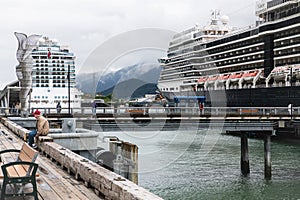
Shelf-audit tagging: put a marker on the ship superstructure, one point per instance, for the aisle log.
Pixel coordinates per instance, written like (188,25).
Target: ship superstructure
(53,75)
(217,57)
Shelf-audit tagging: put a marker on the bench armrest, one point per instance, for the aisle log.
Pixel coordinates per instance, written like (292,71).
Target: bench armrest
(31,169)
(10,150)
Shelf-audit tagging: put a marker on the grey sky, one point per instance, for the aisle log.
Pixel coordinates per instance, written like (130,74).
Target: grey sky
(83,25)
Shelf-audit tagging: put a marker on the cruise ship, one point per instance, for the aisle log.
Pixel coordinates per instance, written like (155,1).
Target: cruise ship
(53,74)
(254,66)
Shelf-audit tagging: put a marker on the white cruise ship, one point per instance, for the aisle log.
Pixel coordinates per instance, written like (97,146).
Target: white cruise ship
(53,74)
(252,66)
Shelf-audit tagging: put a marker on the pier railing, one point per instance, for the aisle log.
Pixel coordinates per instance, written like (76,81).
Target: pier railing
(216,111)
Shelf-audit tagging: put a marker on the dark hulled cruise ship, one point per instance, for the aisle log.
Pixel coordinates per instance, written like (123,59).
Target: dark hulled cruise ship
(255,66)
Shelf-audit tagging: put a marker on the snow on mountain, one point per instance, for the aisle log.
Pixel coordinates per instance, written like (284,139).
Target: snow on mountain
(148,73)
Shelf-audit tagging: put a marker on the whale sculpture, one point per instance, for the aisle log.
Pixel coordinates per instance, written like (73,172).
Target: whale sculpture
(24,69)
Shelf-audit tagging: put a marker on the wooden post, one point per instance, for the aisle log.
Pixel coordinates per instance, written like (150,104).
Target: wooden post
(245,169)
(267,145)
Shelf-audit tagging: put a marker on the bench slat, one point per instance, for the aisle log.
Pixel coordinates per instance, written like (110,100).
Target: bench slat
(30,152)
(27,154)
(12,172)
(21,170)
(24,157)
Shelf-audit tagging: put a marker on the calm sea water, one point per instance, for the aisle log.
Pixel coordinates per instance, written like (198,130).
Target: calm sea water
(206,165)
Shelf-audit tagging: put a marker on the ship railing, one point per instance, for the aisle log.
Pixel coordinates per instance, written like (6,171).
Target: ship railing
(160,110)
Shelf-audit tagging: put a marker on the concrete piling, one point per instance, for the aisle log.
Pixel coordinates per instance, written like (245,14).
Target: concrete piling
(267,152)
(245,168)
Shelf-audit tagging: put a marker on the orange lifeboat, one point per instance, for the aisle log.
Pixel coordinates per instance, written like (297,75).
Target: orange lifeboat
(232,76)
(202,79)
(254,73)
(239,75)
(236,76)
(212,78)
(250,74)
(223,77)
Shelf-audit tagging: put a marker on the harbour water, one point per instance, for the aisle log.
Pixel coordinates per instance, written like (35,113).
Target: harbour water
(201,164)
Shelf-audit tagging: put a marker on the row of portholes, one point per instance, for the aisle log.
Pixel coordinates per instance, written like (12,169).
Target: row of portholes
(46,61)
(53,73)
(42,85)
(59,81)
(46,65)
(47,85)
(46,97)
(47,77)
(47,73)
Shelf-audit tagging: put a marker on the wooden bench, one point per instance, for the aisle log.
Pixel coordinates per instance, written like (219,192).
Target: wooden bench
(19,172)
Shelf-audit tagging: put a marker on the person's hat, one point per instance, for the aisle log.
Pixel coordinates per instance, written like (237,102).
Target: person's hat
(37,112)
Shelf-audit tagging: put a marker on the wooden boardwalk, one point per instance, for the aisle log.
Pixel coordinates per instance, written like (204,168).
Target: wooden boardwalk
(53,182)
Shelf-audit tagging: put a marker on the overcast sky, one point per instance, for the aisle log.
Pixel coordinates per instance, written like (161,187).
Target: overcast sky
(84,25)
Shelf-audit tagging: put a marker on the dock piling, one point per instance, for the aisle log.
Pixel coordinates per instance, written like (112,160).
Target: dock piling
(245,169)
(267,152)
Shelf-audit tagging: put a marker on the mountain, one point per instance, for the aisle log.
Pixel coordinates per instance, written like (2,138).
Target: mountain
(129,89)
(147,73)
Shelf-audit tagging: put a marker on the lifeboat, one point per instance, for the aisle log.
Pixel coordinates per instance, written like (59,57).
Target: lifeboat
(202,79)
(239,75)
(236,76)
(212,78)
(296,71)
(232,76)
(224,77)
(279,73)
(250,75)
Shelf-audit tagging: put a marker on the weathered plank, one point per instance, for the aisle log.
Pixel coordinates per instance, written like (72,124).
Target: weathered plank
(76,187)
(54,182)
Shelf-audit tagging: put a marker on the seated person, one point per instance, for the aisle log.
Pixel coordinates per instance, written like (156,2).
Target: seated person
(42,128)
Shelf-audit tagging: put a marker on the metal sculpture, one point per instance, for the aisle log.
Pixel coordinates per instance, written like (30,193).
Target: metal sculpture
(24,69)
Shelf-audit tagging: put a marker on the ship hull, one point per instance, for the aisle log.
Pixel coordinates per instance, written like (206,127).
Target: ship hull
(252,97)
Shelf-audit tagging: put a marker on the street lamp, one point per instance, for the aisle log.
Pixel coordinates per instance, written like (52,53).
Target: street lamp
(291,76)
(69,91)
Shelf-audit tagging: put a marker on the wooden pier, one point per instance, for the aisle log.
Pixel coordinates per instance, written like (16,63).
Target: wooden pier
(64,174)
(53,182)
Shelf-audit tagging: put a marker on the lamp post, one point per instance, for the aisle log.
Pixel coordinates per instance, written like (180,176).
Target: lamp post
(291,84)
(291,76)
(69,91)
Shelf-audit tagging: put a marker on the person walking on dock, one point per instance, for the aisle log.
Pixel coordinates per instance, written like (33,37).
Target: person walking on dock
(94,108)
(58,107)
(42,128)
(201,107)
